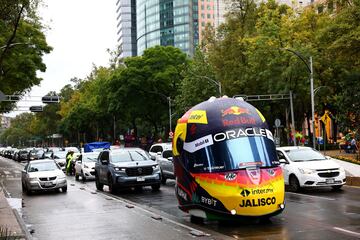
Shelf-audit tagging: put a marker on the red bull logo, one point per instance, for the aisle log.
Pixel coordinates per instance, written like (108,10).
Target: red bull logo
(234,110)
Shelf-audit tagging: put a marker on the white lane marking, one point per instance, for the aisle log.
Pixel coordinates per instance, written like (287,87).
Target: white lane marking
(347,231)
(305,195)
(120,199)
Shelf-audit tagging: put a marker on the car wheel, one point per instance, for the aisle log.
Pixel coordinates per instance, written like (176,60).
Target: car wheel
(163,178)
(155,187)
(76,176)
(195,219)
(294,184)
(83,178)
(99,186)
(111,184)
(64,189)
(337,187)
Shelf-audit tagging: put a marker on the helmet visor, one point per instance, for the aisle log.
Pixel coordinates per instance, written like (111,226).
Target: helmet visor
(232,154)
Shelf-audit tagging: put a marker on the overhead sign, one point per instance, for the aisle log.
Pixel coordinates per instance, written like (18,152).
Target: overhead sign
(50,99)
(36,108)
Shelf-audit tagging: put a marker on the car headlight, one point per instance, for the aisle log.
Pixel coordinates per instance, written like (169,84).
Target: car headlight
(33,179)
(119,169)
(156,167)
(342,169)
(86,166)
(61,177)
(306,171)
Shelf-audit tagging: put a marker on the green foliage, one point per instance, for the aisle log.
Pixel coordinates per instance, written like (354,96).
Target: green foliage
(22,46)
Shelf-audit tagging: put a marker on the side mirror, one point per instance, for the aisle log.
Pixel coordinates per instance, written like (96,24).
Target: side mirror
(152,157)
(328,157)
(170,159)
(283,161)
(158,153)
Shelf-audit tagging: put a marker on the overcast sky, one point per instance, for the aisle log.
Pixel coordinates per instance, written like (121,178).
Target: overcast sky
(80,32)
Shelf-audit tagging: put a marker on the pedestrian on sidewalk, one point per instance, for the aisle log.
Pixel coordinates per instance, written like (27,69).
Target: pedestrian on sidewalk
(353,145)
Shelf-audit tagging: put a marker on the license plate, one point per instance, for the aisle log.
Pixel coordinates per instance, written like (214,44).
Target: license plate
(48,184)
(140,179)
(330,181)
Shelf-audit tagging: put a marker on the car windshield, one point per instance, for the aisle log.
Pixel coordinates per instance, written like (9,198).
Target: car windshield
(167,154)
(43,166)
(232,154)
(302,155)
(60,154)
(128,156)
(90,157)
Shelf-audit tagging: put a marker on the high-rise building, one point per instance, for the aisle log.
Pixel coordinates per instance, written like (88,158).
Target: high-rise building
(166,22)
(126,17)
(211,12)
(146,23)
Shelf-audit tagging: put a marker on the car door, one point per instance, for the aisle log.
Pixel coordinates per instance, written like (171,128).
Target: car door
(78,164)
(167,163)
(24,174)
(103,166)
(285,166)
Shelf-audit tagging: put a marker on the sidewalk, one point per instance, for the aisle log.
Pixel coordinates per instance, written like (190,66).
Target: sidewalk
(352,170)
(8,221)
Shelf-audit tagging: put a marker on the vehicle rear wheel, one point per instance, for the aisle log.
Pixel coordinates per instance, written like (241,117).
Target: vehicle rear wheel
(99,186)
(195,219)
(111,184)
(163,179)
(64,189)
(83,178)
(155,187)
(337,187)
(294,184)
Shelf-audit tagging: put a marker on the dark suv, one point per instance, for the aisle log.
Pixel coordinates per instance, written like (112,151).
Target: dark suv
(127,167)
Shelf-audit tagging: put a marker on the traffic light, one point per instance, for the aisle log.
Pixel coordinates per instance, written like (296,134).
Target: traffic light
(50,99)
(36,109)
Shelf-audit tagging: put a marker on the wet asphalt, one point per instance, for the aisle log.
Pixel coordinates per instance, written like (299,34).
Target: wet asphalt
(84,213)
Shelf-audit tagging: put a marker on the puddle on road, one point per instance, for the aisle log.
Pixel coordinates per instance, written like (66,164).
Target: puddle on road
(15,203)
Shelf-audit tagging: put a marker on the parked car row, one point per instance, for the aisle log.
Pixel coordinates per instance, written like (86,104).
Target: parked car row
(303,167)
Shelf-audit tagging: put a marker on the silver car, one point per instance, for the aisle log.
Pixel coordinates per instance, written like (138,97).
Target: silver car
(43,175)
(165,161)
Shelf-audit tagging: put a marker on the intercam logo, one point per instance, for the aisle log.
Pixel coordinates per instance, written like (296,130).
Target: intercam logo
(245,193)
(198,116)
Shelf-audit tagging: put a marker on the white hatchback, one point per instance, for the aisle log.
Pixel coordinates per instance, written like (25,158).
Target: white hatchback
(305,167)
(85,165)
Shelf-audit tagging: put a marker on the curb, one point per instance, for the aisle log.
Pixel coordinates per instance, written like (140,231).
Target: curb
(25,233)
(353,181)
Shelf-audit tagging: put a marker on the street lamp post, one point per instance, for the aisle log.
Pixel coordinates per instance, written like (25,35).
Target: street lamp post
(310,69)
(217,83)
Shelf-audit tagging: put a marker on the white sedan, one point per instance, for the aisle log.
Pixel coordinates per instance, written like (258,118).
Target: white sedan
(85,166)
(305,167)
(43,175)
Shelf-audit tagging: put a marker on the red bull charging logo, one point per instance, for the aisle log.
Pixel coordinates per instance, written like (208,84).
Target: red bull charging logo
(234,110)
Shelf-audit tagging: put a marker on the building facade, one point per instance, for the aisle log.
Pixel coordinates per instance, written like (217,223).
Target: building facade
(166,23)
(143,24)
(126,18)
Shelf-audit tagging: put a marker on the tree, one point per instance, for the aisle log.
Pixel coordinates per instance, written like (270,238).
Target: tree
(22,46)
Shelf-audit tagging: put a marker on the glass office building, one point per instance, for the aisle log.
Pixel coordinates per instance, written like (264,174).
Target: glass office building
(126,17)
(167,22)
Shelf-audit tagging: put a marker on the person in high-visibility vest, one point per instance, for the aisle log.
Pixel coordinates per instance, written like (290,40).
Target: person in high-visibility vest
(69,158)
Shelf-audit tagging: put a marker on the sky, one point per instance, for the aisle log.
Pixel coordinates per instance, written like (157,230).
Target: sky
(80,32)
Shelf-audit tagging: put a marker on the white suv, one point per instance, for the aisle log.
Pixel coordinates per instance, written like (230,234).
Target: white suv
(163,154)
(306,167)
